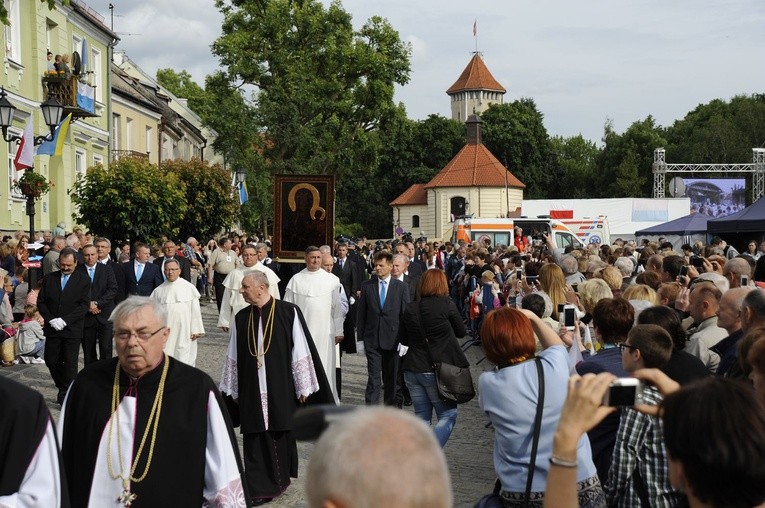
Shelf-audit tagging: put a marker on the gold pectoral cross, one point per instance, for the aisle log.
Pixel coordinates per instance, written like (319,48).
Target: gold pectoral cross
(126,498)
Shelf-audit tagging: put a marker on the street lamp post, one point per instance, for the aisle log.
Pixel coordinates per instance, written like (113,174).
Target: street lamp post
(52,111)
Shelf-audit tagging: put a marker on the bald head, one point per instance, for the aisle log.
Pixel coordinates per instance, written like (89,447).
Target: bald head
(327,262)
(361,441)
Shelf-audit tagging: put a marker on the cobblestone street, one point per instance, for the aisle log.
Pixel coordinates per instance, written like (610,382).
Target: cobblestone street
(469,450)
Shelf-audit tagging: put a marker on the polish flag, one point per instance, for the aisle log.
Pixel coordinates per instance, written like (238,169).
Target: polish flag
(25,154)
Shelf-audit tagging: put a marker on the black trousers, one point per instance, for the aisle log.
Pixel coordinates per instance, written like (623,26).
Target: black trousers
(218,279)
(61,356)
(382,363)
(97,342)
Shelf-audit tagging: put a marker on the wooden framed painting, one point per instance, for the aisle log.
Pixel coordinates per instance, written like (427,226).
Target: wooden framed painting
(304,214)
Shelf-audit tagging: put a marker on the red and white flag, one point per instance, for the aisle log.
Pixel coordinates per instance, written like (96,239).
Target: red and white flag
(25,154)
(475,28)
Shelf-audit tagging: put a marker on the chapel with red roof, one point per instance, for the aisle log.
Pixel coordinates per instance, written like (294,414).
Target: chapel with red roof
(474,181)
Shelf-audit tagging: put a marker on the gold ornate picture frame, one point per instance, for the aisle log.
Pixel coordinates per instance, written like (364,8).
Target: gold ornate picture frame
(304,214)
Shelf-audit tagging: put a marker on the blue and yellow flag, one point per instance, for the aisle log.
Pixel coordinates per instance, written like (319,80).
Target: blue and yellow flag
(55,146)
(243,196)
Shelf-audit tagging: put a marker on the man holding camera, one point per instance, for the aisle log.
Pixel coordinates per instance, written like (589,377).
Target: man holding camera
(639,475)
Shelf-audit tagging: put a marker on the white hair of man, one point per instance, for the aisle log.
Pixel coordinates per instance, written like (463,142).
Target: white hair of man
(625,266)
(258,278)
(569,264)
(392,448)
(72,240)
(135,303)
(738,266)
(325,249)
(401,257)
(715,278)
(191,241)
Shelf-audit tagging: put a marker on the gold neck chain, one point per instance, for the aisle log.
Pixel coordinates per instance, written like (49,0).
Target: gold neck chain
(252,334)
(151,426)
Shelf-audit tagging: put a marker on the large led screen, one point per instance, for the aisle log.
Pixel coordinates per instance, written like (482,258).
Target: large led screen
(715,197)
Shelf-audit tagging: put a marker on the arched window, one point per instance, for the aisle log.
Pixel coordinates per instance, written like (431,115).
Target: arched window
(415,221)
(457,206)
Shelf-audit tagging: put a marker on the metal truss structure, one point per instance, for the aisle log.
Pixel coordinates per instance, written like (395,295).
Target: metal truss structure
(756,167)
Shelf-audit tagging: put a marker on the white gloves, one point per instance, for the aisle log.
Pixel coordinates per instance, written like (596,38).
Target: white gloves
(351,300)
(402,349)
(58,324)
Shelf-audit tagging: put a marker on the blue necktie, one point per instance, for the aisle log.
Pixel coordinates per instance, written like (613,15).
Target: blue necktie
(138,271)
(91,271)
(64,280)
(382,294)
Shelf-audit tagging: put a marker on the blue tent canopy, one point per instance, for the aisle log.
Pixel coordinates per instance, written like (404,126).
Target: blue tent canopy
(690,224)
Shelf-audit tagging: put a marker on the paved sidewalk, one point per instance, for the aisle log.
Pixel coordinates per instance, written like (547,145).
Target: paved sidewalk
(469,450)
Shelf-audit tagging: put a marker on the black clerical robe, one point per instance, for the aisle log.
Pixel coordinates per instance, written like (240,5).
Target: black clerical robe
(268,397)
(30,472)
(193,423)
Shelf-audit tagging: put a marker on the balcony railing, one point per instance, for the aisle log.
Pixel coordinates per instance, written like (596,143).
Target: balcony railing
(76,97)
(120,154)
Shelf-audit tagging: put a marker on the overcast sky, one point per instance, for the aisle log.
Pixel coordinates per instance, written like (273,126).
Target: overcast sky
(582,62)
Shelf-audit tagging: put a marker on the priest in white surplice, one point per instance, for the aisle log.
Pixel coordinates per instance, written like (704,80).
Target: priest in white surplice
(317,293)
(233,301)
(184,316)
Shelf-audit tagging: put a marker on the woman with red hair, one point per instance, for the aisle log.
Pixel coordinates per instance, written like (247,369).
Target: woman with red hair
(510,393)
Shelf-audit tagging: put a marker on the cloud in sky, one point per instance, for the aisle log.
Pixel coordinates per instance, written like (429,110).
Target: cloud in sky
(582,62)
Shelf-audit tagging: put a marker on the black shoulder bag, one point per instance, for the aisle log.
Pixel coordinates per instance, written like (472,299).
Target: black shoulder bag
(455,384)
(494,499)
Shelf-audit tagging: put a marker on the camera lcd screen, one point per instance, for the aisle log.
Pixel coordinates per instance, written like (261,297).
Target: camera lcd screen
(621,395)
(569,317)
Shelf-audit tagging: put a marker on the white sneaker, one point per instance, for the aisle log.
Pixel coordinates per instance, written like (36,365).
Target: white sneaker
(37,360)
(25,359)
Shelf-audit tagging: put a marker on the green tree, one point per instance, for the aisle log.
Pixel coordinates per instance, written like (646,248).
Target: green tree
(132,200)
(719,131)
(211,204)
(322,86)
(640,139)
(577,159)
(182,85)
(515,133)
(628,182)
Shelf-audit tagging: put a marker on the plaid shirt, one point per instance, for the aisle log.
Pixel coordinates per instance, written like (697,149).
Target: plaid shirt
(640,445)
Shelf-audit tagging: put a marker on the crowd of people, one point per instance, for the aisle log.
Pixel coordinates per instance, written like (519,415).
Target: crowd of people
(557,325)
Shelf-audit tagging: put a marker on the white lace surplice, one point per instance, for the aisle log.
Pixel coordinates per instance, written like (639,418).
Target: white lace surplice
(303,371)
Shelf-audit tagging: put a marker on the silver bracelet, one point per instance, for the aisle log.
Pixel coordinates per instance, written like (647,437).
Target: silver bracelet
(557,461)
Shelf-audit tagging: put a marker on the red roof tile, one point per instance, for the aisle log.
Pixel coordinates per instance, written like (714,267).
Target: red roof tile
(474,166)
(414,195)
(476,76)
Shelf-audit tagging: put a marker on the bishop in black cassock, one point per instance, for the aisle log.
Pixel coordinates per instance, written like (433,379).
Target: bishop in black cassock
(271,367)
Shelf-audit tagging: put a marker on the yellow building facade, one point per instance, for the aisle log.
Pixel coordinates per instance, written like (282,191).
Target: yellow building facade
(34,30)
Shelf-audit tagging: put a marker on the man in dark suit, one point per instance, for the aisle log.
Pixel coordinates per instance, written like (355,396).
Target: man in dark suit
(103,290)
(380,308)
(141,277)
(63,302)
(169,249)
(416,266)
(346,270)
(103,250)
(413,269)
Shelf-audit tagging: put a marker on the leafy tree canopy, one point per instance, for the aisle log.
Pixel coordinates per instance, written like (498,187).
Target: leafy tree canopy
(132,200)
(211,205)
(321,84)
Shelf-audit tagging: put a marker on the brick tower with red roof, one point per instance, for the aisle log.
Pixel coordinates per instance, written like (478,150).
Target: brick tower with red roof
(475,90)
